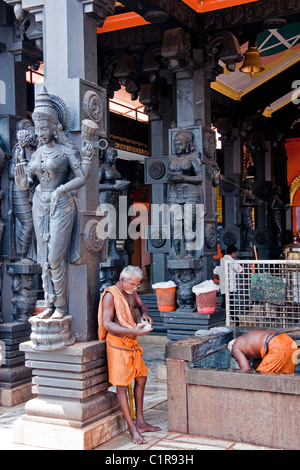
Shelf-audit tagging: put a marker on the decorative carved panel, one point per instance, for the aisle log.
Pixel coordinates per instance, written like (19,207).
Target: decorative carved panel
(249,13)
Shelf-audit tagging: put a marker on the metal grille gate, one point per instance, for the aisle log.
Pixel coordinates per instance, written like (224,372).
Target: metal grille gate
(267,294)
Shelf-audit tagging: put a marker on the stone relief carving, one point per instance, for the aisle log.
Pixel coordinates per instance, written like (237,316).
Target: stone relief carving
(180,11)
(91,240)
(2,163)
(185,179)
(24,296)
(110,187)
(210,236)
(20,201)
(248,13)
(157,170)
(248,202)
(227,48)
(230,238)
(176,47)
(277,208)
(92,106)
(186,279)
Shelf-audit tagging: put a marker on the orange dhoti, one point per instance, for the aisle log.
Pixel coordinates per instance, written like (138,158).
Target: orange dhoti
(124,360)
(280,356)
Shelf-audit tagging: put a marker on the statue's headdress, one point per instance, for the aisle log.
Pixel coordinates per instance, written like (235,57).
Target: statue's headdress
(44,107)
(187,136)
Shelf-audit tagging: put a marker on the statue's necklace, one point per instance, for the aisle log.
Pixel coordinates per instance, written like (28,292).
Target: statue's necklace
(45,177)
(43,168)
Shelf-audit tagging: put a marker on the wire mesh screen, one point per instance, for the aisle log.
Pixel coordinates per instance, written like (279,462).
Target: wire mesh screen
(266,294)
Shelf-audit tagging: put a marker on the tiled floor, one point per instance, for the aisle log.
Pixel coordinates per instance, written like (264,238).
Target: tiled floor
(156,412)
(168,441)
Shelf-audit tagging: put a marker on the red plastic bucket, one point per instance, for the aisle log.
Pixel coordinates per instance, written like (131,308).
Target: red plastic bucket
(206,303)
(166,299)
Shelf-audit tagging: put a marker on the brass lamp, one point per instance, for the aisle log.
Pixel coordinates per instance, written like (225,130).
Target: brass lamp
(252,62)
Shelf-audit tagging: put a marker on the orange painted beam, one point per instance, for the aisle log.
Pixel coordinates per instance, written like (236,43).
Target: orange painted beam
(203,6)
(122,21)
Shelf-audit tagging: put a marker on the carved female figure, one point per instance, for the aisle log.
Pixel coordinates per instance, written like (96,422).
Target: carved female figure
(57,166)
(110,186)
(110,182)
(185,178)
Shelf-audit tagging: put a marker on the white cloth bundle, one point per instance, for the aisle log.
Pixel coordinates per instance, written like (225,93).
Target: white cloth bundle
(204,287)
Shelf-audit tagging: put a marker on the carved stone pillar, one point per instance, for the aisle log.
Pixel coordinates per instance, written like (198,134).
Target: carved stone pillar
(193,119)
(230,186)
(17,53)
(71,75)
(158,243)
(188,69)
(262,189)
(73,399)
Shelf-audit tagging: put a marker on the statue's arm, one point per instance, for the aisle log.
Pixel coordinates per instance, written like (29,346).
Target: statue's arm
(197,177)
(79,180)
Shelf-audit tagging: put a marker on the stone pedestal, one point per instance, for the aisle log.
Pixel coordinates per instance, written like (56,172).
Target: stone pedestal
(183,323)
(49,334)
(74,410)
(15,378)
(58,437)
(159,327)
(194,264)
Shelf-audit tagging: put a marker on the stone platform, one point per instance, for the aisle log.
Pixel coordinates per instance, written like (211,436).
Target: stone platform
(183,323)
(73,409)
(15,378)
(156,412)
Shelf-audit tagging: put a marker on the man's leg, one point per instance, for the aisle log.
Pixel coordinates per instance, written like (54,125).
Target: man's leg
(132,428)
(139,389)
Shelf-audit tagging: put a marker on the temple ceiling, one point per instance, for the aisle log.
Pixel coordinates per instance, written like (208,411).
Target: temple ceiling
(275,25)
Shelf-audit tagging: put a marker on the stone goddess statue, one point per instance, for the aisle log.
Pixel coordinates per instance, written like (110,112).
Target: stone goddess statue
(57,167)
(185,192)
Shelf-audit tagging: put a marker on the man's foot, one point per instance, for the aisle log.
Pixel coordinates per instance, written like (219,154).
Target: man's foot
(147,427)
(136,437)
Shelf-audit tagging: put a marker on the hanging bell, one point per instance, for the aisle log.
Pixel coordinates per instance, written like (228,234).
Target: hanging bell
(252,62)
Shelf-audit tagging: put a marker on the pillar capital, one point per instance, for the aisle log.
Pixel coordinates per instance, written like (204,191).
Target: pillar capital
(98,9)
(35,7)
